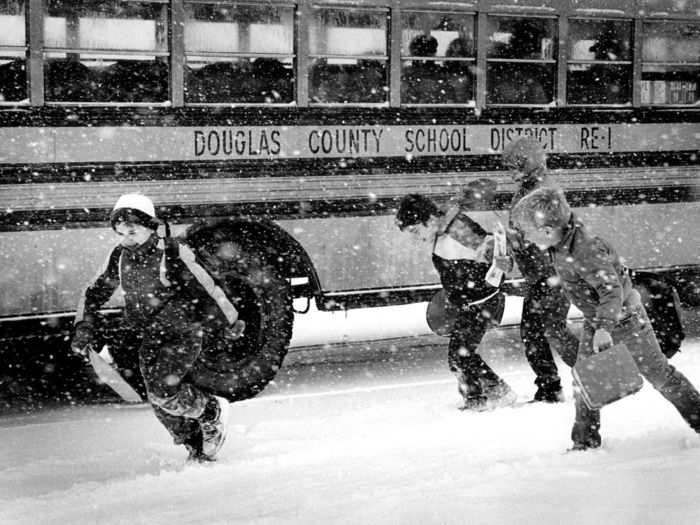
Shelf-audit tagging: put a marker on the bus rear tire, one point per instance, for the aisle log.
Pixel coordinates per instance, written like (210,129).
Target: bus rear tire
(242,368)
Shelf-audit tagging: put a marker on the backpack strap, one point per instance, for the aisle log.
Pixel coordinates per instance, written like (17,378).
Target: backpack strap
(170,254)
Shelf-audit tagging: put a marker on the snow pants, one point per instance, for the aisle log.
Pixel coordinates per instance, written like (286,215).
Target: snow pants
(544,325)
(463,357)
(635,330)
(170,348)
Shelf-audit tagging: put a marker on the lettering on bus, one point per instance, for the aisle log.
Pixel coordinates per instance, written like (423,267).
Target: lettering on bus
(437,140)
(596,138)
(502,136)
(232,142)
(351,141)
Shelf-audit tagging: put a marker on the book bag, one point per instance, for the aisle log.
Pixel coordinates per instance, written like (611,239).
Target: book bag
(661,301)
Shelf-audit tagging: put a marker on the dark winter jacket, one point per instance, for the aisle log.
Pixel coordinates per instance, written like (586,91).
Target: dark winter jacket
(592,275)
(152,279)
(534,264)
(464,280)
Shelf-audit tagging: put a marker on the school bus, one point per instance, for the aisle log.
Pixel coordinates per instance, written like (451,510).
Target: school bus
(305,121)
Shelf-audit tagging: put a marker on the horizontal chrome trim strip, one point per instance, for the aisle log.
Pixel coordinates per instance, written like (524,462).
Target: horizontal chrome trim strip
(370,187)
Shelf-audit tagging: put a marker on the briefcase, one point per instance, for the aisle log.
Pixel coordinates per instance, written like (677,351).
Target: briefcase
(607,376)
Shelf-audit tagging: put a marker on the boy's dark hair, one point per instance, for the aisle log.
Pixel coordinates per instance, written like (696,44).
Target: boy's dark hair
(545,206)
(423,46)
(133,216)
(415,209)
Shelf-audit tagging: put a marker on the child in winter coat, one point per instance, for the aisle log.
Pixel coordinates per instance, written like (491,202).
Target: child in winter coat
(545,306)
(462,253)
(167,302)
(594,279)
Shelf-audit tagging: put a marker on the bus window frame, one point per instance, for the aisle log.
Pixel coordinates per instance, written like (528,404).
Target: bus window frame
(33,49)
(675,19)
(465,11)
(107,54)
(294,55)
(543,12)
(5,53)
(630,63)
(13,49)
(362,5)
(21,51)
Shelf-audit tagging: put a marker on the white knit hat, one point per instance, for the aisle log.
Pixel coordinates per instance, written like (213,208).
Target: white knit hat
(135,204)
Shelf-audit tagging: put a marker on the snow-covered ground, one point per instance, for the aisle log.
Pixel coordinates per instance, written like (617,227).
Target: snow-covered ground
(361,441)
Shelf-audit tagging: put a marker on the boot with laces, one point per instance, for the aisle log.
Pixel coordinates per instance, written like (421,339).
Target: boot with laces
(214,423)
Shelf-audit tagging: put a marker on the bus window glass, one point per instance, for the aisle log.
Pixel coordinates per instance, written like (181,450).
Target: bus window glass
(437,58)
(13,72)
(599,70)
(520,60)
(670,63)
(666,7)
(113,51)
(348,49)
(239,53)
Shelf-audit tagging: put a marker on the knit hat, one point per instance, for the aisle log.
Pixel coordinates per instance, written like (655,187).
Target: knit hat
(138,208)
(525,155)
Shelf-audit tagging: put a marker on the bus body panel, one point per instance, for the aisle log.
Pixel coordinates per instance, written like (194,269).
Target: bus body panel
(322,115)
(149,144)
(44,272)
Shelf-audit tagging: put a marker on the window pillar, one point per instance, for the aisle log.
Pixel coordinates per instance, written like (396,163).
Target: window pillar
(35,59)
(177,53)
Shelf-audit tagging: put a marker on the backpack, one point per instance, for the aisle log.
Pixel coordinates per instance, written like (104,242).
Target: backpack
(663,307)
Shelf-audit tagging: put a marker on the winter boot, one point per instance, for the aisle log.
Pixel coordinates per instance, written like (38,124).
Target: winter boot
(471,394)
(499,394)
(548,391)
(476,403)
(548,395)
(580,446)
(195,455)
(585,433)
(214,423)
(193,444)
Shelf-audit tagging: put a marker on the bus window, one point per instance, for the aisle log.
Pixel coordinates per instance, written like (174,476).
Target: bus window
(115,51)
(437,58)
(520,60)
(668,7)
(239,53)
(670,63)
(600,62)
(348,49)
(13,70)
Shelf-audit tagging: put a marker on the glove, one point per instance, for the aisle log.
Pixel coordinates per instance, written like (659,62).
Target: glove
(234,331)
(83,339)
(602,340)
